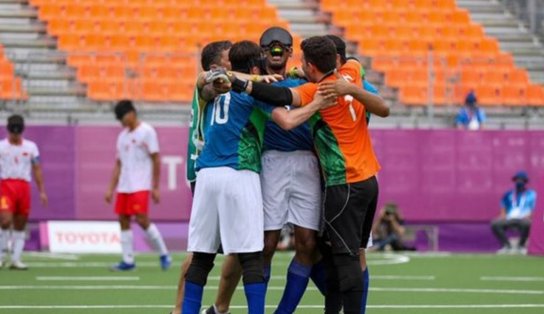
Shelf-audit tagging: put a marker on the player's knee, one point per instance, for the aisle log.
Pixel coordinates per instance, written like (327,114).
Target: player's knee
(349,272)
(252,267)
(232,271)
(270,244)
(201,265)
(5,223)
(143,221)
(306,245)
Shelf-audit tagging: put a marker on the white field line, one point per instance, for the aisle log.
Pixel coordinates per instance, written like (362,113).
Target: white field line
(393,261)
(167,306)
(280,288)
(508,278)
(372,277)
(68,257)
(86,278)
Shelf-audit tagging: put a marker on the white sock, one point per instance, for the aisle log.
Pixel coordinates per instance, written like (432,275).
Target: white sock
(127,246)
(18,245)
(155,238)
(4,234)
(217,311)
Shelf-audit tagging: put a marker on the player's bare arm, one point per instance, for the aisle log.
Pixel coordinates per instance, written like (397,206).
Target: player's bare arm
(38,176)
(373,103)
(113,182)
(155,193)
(289,119)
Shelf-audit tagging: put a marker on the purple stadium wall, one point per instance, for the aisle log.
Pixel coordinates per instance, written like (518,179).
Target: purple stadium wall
(439,176)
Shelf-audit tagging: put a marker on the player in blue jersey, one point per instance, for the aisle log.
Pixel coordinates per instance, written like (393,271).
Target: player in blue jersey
(291,183)
(214,55)
(227,206)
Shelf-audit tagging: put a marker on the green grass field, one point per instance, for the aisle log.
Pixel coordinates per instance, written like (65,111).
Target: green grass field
(411,284)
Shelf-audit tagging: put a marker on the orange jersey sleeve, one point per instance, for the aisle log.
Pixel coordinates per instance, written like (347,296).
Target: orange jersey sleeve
(306,93)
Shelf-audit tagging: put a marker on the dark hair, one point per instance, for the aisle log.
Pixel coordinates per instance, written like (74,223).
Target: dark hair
(340,47)
(321,52)
(16,124)
(123,107)
(244,55)
(16,119)
(211,54)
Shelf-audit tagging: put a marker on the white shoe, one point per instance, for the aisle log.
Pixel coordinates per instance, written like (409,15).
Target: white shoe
(522,250)
(2,263)
(505,250)
(18,265)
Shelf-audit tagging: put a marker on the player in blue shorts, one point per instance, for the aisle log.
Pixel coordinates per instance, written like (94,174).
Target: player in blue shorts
(227,206)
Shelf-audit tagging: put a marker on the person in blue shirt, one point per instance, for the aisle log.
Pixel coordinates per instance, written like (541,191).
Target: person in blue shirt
(291,183)
(470,117)
(517,206)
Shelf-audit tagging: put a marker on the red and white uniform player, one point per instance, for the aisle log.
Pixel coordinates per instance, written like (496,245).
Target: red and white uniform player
(19,159)
(136,177)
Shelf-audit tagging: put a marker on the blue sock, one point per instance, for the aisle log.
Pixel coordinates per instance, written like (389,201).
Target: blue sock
(192,301)
(366,283)
(319,276)
(255,295)
(298,276)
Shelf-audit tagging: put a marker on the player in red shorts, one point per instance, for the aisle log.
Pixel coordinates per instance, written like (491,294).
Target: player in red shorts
(19,159)
(136,176)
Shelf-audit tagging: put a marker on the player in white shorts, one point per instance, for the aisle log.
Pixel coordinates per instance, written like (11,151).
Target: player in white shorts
(19,159)
(291,183)
(136,176)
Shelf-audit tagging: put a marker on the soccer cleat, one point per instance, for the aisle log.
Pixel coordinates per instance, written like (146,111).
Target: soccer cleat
(166,261)
(522,250)
(2,263)
(18,265)
(211,310)
(122,266)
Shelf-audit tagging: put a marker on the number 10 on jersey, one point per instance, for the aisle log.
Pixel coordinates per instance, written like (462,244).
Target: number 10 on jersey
(220,113)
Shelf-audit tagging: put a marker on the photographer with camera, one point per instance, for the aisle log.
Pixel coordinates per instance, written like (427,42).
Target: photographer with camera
(388,229)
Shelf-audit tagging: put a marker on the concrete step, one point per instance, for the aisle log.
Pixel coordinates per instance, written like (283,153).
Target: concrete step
(16,36)
(519,52)
(499,23)
(528,45)
(25,12)
(513,37)
(22,27)
(289,4)
(55,85)
(311,29)
(29,43)
(10,6)
(39,67)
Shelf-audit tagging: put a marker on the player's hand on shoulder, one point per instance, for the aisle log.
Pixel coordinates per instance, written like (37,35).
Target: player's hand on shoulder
(156,195)
(325,100)
(338,87)
(296,72)
(219,79)
(269,79)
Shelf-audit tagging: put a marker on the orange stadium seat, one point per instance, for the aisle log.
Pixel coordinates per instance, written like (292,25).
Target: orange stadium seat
(400,34)
(113,43)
